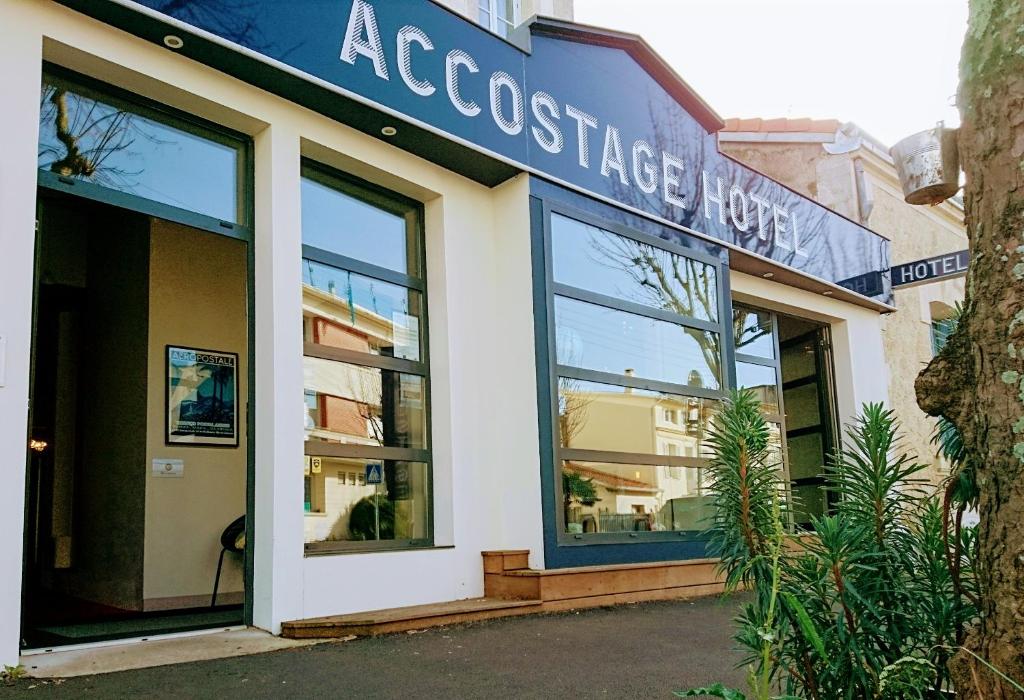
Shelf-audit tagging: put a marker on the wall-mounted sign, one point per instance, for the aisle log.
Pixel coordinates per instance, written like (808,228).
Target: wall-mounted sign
(168,468)
(202,397)
(931,269)
(592,109)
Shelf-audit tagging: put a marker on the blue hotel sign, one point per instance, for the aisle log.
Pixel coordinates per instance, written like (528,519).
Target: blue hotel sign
(581,112)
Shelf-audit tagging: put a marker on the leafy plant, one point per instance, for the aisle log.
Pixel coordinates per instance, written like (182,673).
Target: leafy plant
(10,674)
(865,605)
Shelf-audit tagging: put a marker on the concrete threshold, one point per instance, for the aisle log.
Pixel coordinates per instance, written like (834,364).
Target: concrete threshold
(128,654)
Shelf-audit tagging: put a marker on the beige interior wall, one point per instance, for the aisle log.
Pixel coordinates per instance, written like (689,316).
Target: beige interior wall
(197,298)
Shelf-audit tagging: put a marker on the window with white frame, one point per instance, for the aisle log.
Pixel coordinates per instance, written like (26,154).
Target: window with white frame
(500,16)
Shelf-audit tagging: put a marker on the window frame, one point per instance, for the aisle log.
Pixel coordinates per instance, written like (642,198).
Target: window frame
(553,454)
(413,211)
(152,110)
(494,24)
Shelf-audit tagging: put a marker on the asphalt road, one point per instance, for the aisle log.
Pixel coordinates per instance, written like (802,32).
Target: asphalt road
(632,651)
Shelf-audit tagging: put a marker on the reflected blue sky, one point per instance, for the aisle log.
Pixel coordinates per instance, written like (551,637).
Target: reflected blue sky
(134,154)
(594,259)
(335,222)
(598,338)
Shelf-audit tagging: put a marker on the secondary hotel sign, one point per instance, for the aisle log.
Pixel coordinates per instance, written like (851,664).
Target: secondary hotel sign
(931,269)
(574,109)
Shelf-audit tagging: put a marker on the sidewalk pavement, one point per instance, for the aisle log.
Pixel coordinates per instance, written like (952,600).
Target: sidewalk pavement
(642,650)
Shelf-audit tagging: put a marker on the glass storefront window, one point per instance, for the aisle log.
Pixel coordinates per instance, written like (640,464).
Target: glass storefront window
(753,331)
(89,136)
(763,379)
(626,498)
(361,225)
(366,392)
(344,506)
(363,405)
(588,257)
(593,416)
(355,312)
(639,359)
(608,340)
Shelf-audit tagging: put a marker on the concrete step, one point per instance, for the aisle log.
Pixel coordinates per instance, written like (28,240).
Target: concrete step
(404,619)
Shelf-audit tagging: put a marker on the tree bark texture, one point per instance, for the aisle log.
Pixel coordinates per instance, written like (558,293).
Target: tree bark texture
(977,381)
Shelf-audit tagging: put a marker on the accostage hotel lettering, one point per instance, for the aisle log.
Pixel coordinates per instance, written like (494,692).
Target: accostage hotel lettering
(647,168)
(585,108)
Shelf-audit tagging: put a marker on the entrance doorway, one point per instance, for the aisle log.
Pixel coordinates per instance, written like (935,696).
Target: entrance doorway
(787,361)
(138,458)
(805,361)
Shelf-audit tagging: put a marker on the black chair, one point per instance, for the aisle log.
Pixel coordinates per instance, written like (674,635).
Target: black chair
(231,540)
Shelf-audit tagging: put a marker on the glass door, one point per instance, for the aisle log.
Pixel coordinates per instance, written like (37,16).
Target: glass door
(810,424)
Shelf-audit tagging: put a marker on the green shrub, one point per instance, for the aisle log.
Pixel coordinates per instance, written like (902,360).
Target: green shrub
(871,602)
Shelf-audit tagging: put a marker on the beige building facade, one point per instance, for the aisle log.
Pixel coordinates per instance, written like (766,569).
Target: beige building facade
(853,174)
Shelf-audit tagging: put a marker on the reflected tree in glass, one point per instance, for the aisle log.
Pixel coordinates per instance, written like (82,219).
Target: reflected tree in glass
(665,281)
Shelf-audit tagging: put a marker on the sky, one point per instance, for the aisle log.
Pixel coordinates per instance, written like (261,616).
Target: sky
(890,66)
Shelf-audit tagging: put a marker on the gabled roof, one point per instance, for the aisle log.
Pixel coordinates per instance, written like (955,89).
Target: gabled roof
(642,53)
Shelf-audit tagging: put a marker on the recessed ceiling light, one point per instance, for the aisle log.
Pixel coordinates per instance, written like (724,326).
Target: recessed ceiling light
(827,292)
(389,131)
(768,275)
(173,41)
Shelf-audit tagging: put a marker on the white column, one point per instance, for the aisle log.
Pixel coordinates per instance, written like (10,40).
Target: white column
(862,374)
(21,57)
(278,582)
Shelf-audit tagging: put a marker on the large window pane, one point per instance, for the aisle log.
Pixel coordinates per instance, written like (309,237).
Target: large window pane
(90,137)
(595,416)
(591,258)
(340,223)
(753,331)
(762,379)
(598,338)
(354,405)
(343,505)
(347,310)
(611,498)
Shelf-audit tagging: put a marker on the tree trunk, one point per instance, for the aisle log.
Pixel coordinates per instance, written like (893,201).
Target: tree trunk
(977,381)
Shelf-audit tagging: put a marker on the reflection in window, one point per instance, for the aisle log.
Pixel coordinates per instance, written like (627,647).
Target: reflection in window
(753,331)
(88,136)
(594,416)
(608,340)
(763,381)
(351,311)
(365,382)
(364,405)
(359,224)
(599,261)
(615,498)
(500,16)
(344,506)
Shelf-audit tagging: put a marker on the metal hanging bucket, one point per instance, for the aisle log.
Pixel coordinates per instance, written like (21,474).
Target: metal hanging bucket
(928,165)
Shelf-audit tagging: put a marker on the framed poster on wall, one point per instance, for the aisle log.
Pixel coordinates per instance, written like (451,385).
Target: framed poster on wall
(202,397)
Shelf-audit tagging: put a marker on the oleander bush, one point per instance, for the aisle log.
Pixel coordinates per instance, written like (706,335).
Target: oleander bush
(873,599)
